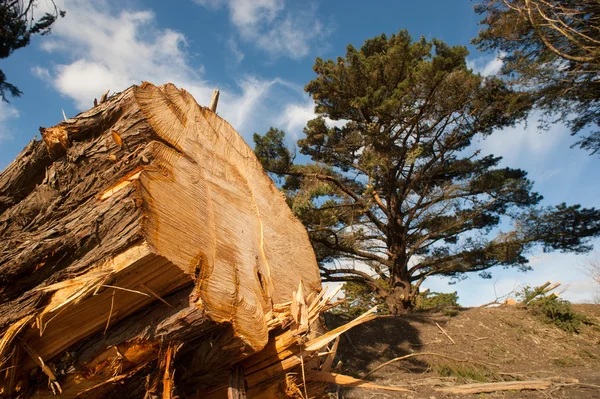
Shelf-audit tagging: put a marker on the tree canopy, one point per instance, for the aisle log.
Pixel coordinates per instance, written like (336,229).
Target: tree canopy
(551,49)
(398,193)
(18,25)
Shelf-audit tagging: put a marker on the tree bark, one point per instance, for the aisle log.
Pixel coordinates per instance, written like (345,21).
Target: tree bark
(400,301)
(400,298)
(143,252)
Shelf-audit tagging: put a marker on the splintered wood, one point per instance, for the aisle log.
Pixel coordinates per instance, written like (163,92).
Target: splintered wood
(144,252)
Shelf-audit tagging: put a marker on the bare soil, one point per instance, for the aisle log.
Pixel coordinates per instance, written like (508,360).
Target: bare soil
(490,345)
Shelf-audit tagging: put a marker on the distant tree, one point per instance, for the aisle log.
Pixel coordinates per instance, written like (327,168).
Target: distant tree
(551,48)
(592,267)
(398,194)
(18,25)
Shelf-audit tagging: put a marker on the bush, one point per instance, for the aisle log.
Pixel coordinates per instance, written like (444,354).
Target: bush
(359,298)
(436,300)
(553,310)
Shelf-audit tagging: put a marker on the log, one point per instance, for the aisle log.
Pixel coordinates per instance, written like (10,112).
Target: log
(496,386)
(144,252)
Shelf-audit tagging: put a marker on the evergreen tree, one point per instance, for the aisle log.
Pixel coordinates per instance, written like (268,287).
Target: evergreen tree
(18,25)
(398,188)
(551,49)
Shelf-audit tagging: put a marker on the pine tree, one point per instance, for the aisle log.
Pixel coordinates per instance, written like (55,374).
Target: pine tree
(18,25)
(398,194)
(551,49)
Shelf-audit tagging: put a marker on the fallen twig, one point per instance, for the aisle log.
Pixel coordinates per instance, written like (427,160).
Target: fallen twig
(583,385)
(476,337)
(497,386)
(445,333)
(340,379)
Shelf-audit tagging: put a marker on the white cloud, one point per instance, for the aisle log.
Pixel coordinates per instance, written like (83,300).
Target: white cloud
(84,80)
(579,291)
(294,117)
(115,49)
(240,110)
(7,112)
(486,66)
(266,24)
(524,141)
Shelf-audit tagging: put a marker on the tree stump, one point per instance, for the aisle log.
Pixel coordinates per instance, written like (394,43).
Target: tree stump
(143,251)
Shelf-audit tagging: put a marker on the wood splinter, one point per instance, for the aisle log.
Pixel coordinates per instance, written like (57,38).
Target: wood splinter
(104,96)
(214,101)
(53,383)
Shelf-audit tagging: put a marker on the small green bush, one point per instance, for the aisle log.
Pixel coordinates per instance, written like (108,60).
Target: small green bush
(553,310)
(451,312)
(436,300)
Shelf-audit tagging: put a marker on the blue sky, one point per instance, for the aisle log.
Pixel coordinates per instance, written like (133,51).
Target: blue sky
(260,53)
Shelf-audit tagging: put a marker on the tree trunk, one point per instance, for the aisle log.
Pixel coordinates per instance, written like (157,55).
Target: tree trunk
(399,300)
(143,252)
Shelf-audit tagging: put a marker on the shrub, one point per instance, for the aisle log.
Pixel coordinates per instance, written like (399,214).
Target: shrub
(358,299)
(553,310)
(436,300)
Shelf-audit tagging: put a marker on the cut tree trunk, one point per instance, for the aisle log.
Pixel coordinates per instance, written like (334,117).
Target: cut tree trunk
(144,252)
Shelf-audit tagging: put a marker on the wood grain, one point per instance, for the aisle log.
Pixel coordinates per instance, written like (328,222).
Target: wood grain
(147,199)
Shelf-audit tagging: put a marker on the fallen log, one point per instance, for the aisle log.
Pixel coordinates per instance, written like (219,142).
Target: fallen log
(467,389)
(144,252)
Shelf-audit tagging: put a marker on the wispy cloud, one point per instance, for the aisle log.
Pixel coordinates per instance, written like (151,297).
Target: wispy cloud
(7,112)
(486,65)
(42,73)
(271,27)
(524,141)
(237,53)
(294,117)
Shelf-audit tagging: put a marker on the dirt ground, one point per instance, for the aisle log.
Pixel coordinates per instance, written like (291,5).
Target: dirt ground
(482,345)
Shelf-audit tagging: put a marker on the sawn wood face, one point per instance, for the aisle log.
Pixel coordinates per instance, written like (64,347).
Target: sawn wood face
(144,197)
